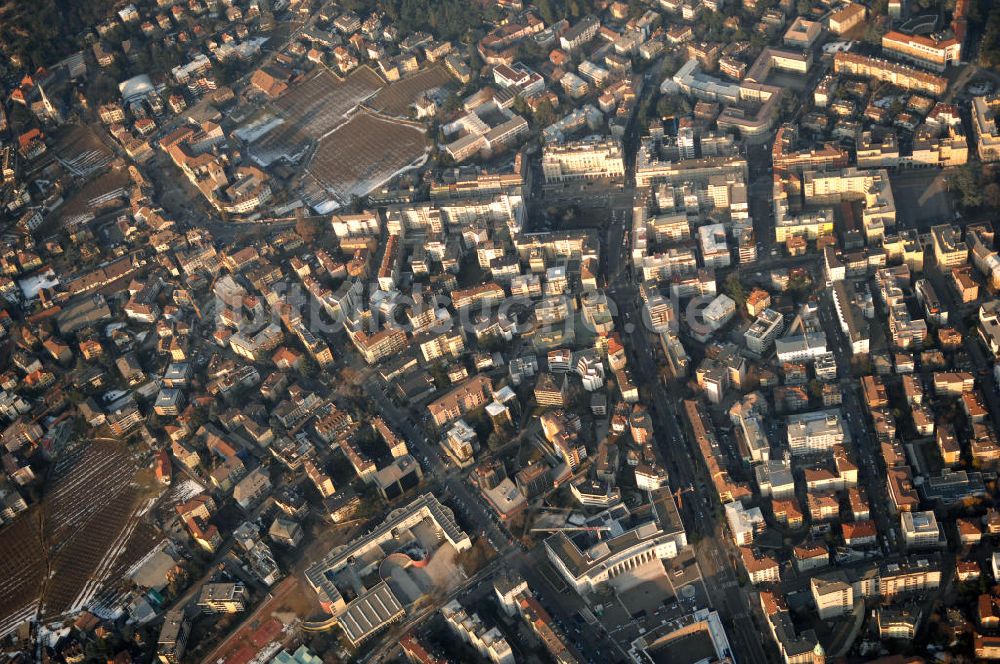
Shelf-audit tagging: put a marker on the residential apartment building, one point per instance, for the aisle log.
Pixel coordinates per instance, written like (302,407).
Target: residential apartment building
(255,346)
(764,330)
(379,345)
(744,524)
(900,578)
(949,249)
(851,317)
(468,396)
(760,567)
(487,294)
(489,643)
(810,556)
(871,187)
(581,33)
(847,18)
(712,242)
(930,51)
(584,160)
(447,344)
(551,390)
(222,598)
(899,75)
(815,432)
(172,642)
(794,647)
(833,596)
(984,126)
(953,383)
(948,444)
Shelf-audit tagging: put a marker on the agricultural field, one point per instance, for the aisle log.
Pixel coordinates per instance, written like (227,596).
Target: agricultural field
(82,151)
(322,103)
(22,570)
(312,109)
(349,128)
(397,98)
(366,152)
(67,554)
(105,192)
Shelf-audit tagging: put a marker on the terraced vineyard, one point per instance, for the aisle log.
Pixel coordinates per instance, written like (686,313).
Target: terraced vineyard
(22,570)
(398,98)
(69,552)
(364,153)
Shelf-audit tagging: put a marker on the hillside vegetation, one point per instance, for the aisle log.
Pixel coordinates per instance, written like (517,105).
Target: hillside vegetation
(43,31)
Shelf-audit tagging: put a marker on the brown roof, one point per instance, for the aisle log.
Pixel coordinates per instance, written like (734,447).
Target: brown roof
(756,562)
(859,529)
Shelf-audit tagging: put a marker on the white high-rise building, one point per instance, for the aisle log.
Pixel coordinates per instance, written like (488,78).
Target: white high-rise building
(490,643)
(714,250)
(583,160)
(816,432)
(762,333)
(744,523)
(834,596)
(685,142)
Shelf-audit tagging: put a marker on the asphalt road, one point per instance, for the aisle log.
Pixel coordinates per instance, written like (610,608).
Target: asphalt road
(871,470)
(714,551)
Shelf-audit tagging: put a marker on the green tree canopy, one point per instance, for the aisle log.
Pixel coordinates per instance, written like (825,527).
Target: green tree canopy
(967,182)
(735,289)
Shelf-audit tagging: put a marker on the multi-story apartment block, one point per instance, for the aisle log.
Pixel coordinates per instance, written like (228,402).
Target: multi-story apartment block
(172,642)
(816,432)
(714,250)
(949,249)
(848,17)
(222,598)
(744,524)
(907,331)
(760,567)
(581,33)
(461,444)
(379,345)
(984,127)
(899,75)
(584,160)
(255,346)
(764,330)
(465,397)
(833,596)
(930,51)
(794,647)
(871,187)
(489,643)
(433,346)
(787,155)
(953,383)
(487,294)
(909,576)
